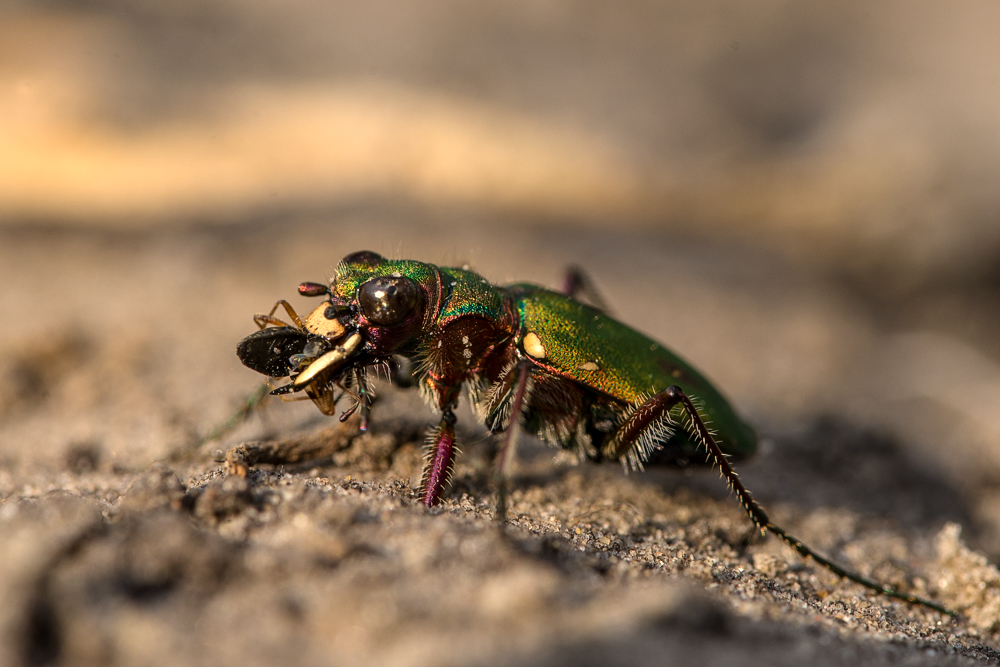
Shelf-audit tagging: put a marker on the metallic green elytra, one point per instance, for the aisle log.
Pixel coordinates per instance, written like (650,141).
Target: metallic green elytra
(529,358)
(583,344)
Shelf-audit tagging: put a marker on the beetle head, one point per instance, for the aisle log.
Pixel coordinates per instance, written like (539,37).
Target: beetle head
(374,308)
(389,302)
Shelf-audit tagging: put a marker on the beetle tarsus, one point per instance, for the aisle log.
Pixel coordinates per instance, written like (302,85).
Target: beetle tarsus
(808,553)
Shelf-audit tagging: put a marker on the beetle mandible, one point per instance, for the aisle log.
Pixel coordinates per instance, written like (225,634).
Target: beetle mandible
(529,358)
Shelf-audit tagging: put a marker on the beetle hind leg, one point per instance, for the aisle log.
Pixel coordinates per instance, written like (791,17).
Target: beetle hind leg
(627,440)
(515,401)
(624,439)
(642,432)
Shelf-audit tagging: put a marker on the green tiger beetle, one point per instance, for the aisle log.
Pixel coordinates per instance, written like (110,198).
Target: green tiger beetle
(531,358)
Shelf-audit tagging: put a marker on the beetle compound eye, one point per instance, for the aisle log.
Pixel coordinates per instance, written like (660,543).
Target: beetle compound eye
(388,300)
(364,257)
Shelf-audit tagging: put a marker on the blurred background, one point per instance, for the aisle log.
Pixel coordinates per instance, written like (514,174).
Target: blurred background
(800,197)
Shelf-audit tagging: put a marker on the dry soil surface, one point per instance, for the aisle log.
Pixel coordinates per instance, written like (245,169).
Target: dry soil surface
(124,542)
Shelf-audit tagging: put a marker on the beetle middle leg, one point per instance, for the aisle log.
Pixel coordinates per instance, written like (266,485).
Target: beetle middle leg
(648,414)
(506,454)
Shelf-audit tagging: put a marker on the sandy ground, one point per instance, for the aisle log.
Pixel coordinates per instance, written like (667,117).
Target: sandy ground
(798,196)
(124,543)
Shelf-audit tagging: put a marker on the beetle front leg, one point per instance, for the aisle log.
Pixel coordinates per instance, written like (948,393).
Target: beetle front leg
(440,459)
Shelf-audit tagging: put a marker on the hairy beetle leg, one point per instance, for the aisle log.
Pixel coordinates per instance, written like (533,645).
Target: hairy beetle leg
(660,404)
(440,459)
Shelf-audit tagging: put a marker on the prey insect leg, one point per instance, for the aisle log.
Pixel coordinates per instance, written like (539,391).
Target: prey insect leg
(659,405)
(263,320)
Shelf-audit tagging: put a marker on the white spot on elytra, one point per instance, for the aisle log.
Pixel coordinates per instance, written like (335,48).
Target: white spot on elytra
(533,345)
(465,340)
(379,294)
(589,366)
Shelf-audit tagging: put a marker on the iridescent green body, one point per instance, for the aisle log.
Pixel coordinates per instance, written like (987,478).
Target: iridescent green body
(585,345)
(594,369)
(591,377)
(528,356)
